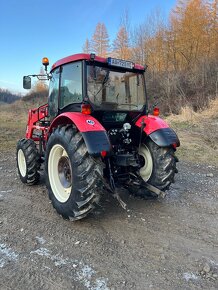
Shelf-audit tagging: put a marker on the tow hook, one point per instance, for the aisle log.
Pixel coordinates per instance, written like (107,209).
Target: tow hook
(111,187)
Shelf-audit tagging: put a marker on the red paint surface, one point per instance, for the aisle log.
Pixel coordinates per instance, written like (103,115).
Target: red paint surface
(152,123)
(81,56)
(80,120)
(34,116)
(138,66)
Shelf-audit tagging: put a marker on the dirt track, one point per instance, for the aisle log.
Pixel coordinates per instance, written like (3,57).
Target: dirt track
(163,244)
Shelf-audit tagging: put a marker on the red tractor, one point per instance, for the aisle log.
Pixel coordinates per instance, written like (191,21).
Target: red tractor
(96,130)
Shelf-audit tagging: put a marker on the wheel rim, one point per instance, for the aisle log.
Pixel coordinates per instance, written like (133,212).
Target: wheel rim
(21,162)
(146,170)
(60,173)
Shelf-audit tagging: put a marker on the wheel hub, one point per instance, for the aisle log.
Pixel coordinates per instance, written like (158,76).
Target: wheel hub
(60,173)
(141,161)
(64,172)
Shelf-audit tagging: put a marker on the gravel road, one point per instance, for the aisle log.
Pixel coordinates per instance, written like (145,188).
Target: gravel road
(170,243)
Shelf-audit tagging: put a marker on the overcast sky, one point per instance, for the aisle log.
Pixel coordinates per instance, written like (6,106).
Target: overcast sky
(30,30)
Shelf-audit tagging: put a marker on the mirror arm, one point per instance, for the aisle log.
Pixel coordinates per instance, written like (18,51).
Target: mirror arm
(39,77)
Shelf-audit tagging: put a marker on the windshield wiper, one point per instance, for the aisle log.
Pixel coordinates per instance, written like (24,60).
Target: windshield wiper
(103,83)
(128,104)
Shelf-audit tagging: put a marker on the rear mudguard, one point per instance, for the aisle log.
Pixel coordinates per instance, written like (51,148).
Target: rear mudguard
(94,134)
(159,131)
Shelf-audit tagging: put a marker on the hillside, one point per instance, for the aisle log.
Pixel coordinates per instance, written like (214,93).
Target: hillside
(8,97)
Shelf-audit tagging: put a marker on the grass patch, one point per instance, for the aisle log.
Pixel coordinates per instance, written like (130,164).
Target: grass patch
(198,134)
(13,121)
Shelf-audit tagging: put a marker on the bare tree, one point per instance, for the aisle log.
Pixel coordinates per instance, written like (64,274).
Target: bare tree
(100,40)
(87,46)
(121,44)
(40,84)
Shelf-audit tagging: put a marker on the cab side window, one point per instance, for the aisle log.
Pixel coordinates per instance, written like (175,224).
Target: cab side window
(71,84)
(53,94)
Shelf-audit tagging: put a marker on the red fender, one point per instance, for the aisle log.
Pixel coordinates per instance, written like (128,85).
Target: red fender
(152,123)
(159,131)
(94,134)
(84,123)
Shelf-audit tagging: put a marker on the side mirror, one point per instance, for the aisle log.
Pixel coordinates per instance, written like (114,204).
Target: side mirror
(27,82)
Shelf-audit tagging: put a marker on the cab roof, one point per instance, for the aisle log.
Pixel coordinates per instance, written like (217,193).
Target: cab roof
(85,56)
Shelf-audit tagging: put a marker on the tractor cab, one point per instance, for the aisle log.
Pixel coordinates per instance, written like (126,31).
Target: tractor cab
(93,85)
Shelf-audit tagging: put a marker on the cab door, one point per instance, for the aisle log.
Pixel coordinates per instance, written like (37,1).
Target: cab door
(54,93)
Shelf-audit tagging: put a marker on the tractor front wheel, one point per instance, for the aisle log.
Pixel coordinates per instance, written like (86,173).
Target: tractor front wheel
(71,174)
(28,161)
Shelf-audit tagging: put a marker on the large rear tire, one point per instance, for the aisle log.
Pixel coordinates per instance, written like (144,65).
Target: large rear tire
(28,161)
(158,169)
(72,177)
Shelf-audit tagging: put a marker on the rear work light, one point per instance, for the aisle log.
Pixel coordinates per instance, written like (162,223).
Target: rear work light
(86,109)
(156,111)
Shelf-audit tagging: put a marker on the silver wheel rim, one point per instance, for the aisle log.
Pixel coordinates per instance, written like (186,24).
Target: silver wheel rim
(60,173)
(22,162)
(146,170)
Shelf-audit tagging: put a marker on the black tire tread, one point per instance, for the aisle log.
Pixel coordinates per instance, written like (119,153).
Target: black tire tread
(164,166)
(164,169)
(32,157)
(84,195)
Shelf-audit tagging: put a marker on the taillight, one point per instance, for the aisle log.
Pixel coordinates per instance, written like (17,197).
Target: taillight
(103,153)
(156,111)
(86,109)
(174,145)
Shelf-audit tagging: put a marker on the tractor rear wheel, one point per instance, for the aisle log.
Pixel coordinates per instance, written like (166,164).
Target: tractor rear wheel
(158,168)
(28,161)
(71,174)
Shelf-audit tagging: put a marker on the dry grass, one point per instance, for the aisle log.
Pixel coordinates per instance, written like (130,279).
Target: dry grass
(188,115)
(212,111)
(198,133)
(13,120)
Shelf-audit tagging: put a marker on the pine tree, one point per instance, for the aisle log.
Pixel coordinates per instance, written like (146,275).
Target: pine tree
(100,40)
(121,44)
